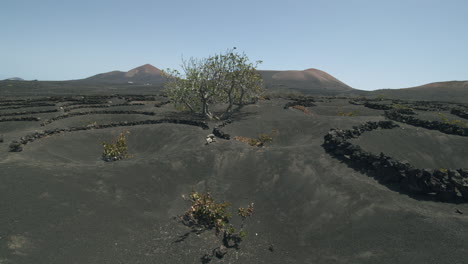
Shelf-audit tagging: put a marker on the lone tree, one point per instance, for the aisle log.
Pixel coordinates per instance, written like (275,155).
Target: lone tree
(227,78)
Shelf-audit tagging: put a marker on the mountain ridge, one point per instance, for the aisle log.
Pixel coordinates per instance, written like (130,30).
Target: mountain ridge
(435,91)
(143,74)
(309,81)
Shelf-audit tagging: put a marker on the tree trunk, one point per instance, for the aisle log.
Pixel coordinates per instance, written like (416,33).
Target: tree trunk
(206,111)
(241,98)
(228,110)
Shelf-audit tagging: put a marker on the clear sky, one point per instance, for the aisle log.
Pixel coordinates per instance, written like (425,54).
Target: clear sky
(368,44)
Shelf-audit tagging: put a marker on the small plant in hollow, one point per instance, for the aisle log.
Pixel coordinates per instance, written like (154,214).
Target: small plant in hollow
(262,139)
(265,138)
(452,122)
(117,149)
(352,113)
(206,213)
(92,124)
(301,108)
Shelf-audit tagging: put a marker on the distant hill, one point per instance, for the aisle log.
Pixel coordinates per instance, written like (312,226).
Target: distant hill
(438,91)
(310,81)
(14,79)
(141,75)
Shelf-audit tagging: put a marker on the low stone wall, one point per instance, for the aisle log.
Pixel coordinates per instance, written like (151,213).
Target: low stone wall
(85,102)
(433,125)
(429,106)
(377,106)
(459,112)
(136,97)
(219,133)
(306,102)
(356,102)
(40,99)
(159,104)
(415,105)
(68,109)
(16,106)
(28,118)
(29,112)
(405,111)
(16,146)
(395,106)
(122,112)
(446,184)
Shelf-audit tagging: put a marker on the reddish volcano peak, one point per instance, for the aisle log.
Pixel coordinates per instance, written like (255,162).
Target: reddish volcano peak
(144,69)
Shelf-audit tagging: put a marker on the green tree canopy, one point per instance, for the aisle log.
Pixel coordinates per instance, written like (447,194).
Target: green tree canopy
(228,78)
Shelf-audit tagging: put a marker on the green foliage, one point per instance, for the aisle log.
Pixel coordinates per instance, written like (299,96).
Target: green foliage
(260,141)
(246,212)
(92,124)
(254,142)
(452,122)
(381,97)
(242,234)
(206,213)
(265,138)
(227,78)
(117,149)
(231,230)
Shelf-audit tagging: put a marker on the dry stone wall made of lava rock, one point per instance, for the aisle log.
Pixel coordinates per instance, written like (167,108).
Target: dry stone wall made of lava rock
(306,102)
(68,109)
(26,106)
(17,146)
(29,112)
(459,112)
(433,125)
(219,133)
(121,112)
(28,118)
(446,184)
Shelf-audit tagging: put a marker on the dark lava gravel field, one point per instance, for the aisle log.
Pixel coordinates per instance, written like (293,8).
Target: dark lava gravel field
(61,203)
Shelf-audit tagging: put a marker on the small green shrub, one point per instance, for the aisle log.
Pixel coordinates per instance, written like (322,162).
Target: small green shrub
(254,142)
(92,124)
(381,97)
(265,138)
(262,139)
(117,149)
(206,213)
(452,122)
(246,212)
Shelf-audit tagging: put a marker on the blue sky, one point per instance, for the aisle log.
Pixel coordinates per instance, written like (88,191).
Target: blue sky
(368,44)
